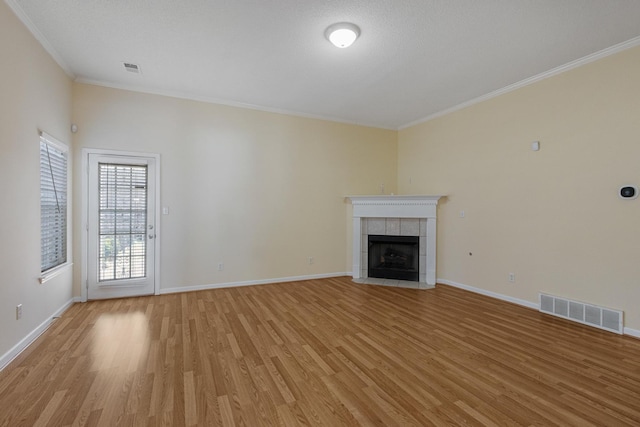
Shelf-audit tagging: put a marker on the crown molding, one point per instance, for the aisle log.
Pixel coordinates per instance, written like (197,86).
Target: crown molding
(22,16)
(227,103)
(534,79)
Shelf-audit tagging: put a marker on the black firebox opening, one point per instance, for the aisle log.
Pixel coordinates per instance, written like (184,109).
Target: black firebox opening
(394,257)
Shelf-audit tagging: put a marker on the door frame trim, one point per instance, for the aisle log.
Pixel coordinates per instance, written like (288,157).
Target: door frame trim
(85,215)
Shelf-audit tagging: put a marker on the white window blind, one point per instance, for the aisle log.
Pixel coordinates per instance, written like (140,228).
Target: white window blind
(122,221)
(53,203)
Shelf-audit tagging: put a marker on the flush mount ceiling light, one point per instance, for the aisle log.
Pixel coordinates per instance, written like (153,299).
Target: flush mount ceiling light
(342,34)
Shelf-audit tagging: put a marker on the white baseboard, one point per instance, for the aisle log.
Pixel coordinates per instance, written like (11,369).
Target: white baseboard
(535,306)
(250,283)
(496,295)
(631,332)
(33,335)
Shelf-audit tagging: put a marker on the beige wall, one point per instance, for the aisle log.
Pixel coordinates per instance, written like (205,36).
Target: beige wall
(260,192)
(552,217)
(34,94)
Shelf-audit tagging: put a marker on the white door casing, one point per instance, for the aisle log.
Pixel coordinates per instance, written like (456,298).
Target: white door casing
(121,235)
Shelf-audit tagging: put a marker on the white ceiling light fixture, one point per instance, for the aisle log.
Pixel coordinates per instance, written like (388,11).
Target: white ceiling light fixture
(342,34)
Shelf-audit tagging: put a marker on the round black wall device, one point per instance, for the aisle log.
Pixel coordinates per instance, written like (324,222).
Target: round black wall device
(628,192)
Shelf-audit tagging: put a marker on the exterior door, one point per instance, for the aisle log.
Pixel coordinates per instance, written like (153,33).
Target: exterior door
(121,226)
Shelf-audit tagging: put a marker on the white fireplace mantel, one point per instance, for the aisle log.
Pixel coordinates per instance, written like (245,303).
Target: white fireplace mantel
(421,207)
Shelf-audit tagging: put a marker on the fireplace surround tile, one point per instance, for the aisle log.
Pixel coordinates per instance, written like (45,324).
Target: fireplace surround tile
(416,216)
(410,227)
(392,227)
(376,226)
(365,264)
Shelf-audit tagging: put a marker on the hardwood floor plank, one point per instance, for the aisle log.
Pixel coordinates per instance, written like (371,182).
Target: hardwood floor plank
(348,399)
(50,409)
(323,352)
(285,417)
(225,411)
(322,364)
(392,410)
(191,413)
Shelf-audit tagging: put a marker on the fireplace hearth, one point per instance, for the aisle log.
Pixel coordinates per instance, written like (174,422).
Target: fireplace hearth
(394,257)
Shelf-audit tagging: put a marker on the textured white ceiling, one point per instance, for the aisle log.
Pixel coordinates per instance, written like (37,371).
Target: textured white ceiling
(414,58)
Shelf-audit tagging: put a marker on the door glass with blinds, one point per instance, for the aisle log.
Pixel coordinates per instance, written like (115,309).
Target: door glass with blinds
(121,226)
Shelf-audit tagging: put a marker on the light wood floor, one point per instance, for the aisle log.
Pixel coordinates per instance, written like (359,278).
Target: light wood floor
(322,352)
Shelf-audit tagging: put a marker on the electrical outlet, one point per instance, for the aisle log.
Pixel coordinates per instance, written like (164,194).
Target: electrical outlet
(512,277)
(220,266)
(311,260)
(19,312)
(461,214)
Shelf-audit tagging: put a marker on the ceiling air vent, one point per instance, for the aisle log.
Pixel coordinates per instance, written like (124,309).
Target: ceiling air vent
(132,68)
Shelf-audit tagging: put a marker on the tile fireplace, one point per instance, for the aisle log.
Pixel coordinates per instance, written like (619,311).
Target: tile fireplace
(402,216)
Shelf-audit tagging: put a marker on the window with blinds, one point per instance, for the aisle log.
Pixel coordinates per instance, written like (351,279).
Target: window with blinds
(53,203)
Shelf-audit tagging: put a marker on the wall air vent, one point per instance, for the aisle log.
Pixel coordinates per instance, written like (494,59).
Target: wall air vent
(587,314)
(132,68)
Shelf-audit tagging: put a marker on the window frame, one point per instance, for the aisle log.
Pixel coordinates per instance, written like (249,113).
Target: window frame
(56,144)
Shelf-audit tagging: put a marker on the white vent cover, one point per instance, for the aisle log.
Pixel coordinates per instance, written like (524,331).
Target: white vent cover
(587,314)
(132,68)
